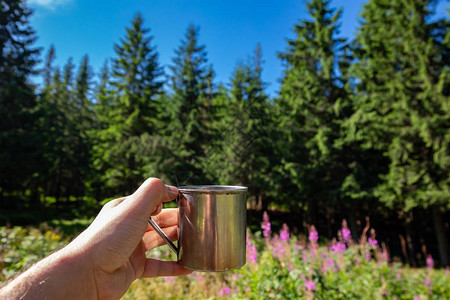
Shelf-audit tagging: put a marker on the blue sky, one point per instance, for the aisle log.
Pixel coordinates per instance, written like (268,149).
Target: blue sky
(229,29)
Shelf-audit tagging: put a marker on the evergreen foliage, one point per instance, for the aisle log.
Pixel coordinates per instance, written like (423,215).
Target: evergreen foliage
(403,107)
(123,143)
(238,154)
(192,92)
(359,127)
(314,100)
(18,57)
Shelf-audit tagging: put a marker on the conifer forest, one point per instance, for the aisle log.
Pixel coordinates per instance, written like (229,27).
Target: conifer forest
(359,129)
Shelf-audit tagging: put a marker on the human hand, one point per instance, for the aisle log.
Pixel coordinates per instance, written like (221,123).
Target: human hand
(117,240)
(109,255)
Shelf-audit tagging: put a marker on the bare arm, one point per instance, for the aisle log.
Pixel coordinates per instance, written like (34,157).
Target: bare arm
(109,255)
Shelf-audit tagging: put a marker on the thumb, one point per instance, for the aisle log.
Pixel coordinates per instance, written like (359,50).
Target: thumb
(148,197)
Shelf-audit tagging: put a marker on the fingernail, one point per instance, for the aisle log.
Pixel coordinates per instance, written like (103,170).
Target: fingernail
(172,191)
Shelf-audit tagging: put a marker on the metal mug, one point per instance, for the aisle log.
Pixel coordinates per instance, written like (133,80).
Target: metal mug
(212,227)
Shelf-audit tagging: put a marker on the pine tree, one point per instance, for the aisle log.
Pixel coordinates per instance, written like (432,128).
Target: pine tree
(18,136)
(403,105)
(125,143)
(192,92)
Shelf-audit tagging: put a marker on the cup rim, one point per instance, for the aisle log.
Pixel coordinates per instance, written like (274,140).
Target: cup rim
(212,189)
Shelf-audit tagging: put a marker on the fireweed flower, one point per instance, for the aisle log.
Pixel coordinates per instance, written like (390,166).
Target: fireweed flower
(278,248)
(368,255)
(284,234)
(373,242)
(252,253)
(305,256)
(338,248)
(329,263)
(310,285)
(430,262)
(346,234)
(313,234)
(266,227)
(225,291)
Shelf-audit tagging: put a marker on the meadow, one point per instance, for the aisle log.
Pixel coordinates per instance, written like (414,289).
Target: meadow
(279,266)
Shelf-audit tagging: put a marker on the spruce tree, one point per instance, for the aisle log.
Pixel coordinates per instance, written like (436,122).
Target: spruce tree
(313,102)
(125,143)
(18,135)
(237,153)
(59,121)
(192,92)
(84,122)
(403,106)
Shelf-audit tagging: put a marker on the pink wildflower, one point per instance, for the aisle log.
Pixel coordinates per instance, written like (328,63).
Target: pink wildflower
(310,285)
(266,227)
(430,262)
(373,242)
(284,234)
(225,291)
(346,234)
(278,248)
(338,248)
(368,255)
(252,253)
(313,234)
(329,262)
(168,278)
(399,277)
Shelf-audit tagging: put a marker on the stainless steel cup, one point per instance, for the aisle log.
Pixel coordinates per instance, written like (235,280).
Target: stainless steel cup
(212,227)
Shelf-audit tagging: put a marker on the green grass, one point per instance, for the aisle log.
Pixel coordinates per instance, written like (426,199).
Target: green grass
(276,269)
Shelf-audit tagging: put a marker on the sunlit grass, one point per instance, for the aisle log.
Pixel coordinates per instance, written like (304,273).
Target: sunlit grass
(279,266)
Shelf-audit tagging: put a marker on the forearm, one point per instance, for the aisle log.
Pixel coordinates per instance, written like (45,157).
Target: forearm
(62,275)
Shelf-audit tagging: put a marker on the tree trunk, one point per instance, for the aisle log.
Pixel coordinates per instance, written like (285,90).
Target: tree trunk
(409,243)
(441,236)
(35,198)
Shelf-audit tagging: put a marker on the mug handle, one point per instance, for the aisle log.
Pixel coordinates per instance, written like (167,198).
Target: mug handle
(163,235)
